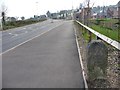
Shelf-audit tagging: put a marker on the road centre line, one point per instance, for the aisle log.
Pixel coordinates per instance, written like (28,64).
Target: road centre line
(30,39)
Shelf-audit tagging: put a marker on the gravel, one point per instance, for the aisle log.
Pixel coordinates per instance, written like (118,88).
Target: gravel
(112,79)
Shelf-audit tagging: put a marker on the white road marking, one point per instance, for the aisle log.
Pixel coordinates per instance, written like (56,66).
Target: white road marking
(29,40)
(10,33)
(24,28)
(81,62)
(14,35)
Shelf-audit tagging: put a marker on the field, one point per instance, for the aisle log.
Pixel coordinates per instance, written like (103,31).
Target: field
(108,27)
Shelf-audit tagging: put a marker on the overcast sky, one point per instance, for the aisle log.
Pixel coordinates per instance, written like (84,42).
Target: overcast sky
(28,8)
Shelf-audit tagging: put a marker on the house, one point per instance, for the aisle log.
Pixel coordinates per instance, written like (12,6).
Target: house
(63,14)
(42,17)
(77,16)
(54,15)
(119,9)
(69,14)
(109,13)
(115,13)
(94,16)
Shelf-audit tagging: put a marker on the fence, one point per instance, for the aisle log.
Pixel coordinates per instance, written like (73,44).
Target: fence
(101,36)
(113,67)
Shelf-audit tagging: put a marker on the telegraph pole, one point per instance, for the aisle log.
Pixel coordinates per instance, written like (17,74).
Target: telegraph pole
(37,8)
(72,12)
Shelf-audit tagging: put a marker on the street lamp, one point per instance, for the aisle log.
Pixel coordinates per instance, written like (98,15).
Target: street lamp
(37,8)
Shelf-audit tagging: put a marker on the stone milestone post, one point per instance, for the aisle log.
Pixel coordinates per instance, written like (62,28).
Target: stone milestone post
(97,54)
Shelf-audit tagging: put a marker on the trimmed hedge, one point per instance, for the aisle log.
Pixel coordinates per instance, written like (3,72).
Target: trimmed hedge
(14,24)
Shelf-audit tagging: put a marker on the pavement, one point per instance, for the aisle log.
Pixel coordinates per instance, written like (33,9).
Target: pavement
(50,60)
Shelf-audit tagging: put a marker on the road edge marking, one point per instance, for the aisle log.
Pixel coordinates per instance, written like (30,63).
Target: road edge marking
(29,39)
(80,58)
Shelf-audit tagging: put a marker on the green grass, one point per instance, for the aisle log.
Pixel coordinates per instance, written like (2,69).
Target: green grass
(85,33)
(107,23)
(113,34)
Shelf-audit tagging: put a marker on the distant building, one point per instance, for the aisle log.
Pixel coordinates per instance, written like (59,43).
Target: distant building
(110,13)
(63,14)
(54,15)
(77,16)
(36,17)
(42,17)
(69,14)
(115,13)
(11,19)
(119,9)
(94,15)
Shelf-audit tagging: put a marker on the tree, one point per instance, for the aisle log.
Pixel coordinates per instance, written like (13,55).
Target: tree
(89,16)
(48,14)
(3,18)
(3,13)
(23,18)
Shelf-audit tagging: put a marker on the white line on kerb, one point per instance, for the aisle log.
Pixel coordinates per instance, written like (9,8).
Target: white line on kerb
(30,39)
(81,63)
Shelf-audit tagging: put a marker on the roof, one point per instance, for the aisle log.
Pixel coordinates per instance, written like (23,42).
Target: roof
(119,4)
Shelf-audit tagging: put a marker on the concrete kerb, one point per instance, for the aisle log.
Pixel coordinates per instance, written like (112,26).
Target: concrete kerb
(80,58)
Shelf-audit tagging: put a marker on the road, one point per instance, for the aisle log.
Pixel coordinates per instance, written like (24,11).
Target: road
(47,57)
(16,36)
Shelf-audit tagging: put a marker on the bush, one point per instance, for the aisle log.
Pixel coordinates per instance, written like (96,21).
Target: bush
(14,24)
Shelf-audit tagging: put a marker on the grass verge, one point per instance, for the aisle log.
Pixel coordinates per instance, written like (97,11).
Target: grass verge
(85,33)
(113,34)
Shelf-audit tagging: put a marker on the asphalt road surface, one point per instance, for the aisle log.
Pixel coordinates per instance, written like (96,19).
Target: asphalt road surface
(48,61)
(13,37)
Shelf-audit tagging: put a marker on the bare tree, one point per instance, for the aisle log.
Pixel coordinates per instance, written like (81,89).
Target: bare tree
(89,16)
